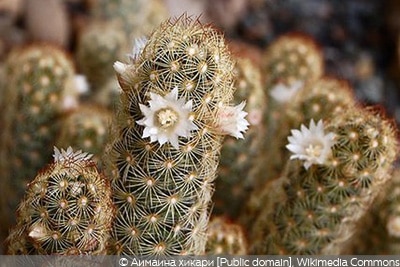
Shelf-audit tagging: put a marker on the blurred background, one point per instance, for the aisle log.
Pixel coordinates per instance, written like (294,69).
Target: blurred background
(360,38)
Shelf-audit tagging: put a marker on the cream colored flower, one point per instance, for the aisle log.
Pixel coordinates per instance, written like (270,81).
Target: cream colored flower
(231,120)
(311,144)
(283,93)
(167,118)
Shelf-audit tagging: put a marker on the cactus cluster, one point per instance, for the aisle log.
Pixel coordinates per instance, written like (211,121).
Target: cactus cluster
(67,209)
(164,156)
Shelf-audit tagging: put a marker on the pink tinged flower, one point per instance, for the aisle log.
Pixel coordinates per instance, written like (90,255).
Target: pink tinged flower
(311,144)
(231,120)
(167,118)
(138,46)
(284,93)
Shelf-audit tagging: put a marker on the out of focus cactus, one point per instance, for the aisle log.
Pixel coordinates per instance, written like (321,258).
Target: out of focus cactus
(314,208)
(67,209)
(236,169)
(225,238)
(290,58)
(135,17)
(289,63)
(87,128)
(175,111)
(39,87)
(100,44)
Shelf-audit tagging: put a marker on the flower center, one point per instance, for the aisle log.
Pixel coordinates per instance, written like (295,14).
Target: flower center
(166,117)
(314,150)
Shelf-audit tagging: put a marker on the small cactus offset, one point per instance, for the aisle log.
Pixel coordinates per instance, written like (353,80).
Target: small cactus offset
(225,238)
(175,112)
(39,87)
(315,206)
(236,169)
(67,209)
(87,128)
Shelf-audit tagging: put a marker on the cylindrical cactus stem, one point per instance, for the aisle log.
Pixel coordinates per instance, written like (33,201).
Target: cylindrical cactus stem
(67,209)
(341,168)
(175,111)
(87,128)
(39,87)
(225,238)
(236,169)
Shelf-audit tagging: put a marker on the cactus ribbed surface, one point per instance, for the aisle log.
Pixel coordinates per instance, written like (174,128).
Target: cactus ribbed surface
(225,238)
(316,210)
(163,189)
(67,209)
(38,87)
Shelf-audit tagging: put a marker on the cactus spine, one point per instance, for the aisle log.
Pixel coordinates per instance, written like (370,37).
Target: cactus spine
(163,189)
(316,210)
(67,209)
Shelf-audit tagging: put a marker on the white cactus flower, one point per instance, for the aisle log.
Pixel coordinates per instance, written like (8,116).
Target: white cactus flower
(283,93)
(311,144)
(167,118)
(393,226)
(231,120)
(70,155)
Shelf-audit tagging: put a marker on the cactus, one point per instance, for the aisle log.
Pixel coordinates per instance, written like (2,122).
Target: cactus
(235,172)
(39,87)
(67,209)
(225,238)
(315,208)
(86,127)
(175,112)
